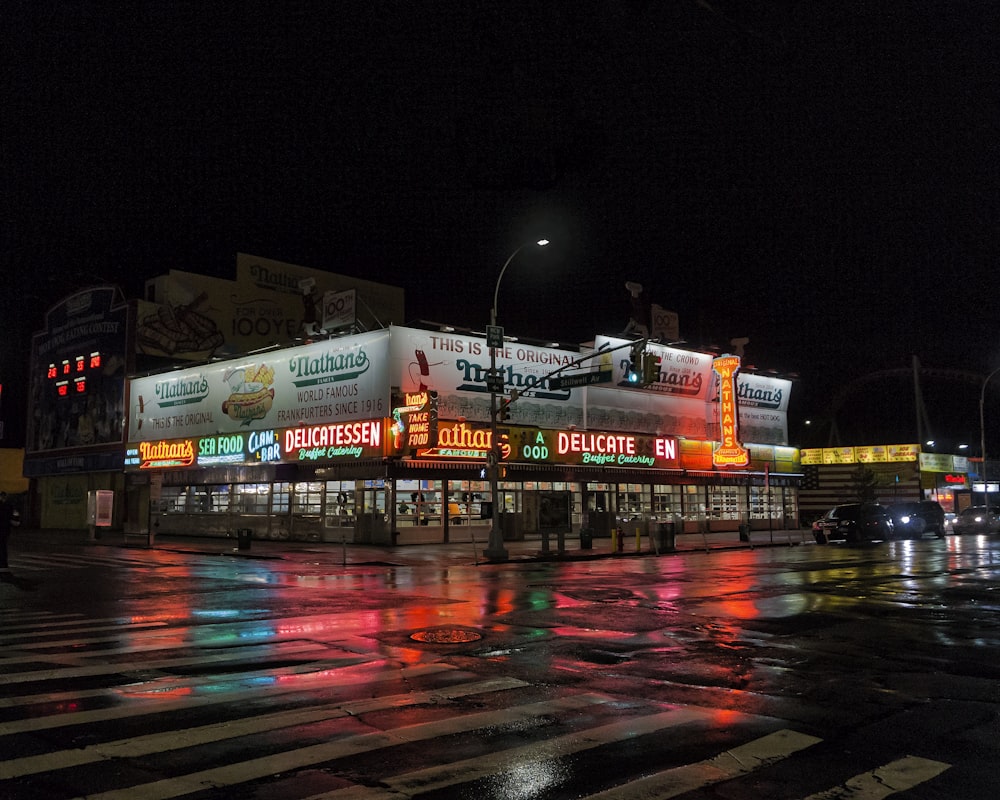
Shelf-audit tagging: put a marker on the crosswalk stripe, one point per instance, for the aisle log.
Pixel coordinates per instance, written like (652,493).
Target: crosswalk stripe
(12,641)
(243,771)
(896,776)
(72,663)
(60,561)
(314,672)
(237,654)
(46,627)
(490,764)
(205,734)
(730,764)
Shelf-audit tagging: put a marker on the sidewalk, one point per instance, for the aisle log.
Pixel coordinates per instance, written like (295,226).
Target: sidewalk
(455,553)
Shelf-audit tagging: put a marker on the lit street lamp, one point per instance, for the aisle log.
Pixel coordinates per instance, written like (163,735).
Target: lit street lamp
(495,551)
(982,434)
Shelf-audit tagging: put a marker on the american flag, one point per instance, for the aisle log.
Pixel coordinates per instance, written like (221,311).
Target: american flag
(827,485)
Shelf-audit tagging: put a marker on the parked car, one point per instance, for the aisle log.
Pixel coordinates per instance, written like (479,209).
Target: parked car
(913,520)
(977,519)
(853,522)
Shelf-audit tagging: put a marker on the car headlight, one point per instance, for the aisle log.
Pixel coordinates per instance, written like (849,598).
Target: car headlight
(904,519)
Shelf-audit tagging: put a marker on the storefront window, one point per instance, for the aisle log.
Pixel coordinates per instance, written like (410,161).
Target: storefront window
(666,501)
(765,503)
(211,499)
(251,498)
(174,499)
(724,502)
(693,503)
(280,496)
(340,501)
(467,501)
(630,500)
(307,497)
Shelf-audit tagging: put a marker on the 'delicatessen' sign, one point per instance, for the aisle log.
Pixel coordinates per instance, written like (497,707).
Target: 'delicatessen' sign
(595,448)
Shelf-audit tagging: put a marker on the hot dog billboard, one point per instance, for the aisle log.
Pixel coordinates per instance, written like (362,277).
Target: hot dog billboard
(330,381)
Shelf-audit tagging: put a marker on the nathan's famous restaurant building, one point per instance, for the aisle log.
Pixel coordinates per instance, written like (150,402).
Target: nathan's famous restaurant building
(382,436)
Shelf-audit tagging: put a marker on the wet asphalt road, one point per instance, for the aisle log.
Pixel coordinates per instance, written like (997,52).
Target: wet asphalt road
(193,670)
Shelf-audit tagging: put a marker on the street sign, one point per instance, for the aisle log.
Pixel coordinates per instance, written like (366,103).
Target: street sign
(580,379)
(494,384)
(494,336)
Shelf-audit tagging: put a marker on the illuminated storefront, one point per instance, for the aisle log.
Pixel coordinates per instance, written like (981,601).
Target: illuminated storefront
(383,437)
(894,473)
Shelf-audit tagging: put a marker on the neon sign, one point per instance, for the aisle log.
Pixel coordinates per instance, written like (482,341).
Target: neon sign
(460,440)
(592,447)
(348,440)
(368,432)
(730,453)
(158,455)
(415,421)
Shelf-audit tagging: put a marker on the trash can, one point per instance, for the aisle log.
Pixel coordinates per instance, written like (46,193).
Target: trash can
(586,539)
(668,538)
(744,532)
(243,538)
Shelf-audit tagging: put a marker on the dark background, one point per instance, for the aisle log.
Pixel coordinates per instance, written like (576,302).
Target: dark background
(821,180)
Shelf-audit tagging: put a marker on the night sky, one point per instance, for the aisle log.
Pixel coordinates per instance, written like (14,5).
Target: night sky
(824,181)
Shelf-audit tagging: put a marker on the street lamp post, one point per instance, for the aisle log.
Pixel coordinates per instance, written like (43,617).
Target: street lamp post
(982,434)
(495,551)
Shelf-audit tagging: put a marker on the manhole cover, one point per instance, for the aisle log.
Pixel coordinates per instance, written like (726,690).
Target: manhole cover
(446,636)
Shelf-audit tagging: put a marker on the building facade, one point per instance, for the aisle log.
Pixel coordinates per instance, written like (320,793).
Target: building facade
(383,437)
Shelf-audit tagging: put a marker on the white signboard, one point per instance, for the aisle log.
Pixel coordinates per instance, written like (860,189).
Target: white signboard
(334,380)
(645,412)
(456,366)
(339,309)
(763,408)
(761,391)
(682,373)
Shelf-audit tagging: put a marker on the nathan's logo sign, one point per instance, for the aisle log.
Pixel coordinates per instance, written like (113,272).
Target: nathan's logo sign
(759,396)
(460,440)
(730,453)
(181,391)
(474,375)
(160,455)
(329,367)
(270,278)
(251,395)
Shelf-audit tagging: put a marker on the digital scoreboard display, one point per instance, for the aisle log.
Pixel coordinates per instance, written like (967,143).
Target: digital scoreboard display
(74,376)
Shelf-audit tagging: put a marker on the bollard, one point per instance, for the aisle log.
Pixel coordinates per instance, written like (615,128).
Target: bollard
(614,540)
(638,540)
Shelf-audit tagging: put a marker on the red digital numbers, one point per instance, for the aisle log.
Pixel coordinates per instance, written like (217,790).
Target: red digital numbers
(79,367)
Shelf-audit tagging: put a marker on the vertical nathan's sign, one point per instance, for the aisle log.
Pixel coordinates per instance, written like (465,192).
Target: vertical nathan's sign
(729,453)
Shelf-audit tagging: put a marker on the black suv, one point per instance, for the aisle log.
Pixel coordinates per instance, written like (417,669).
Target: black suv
(913,520)
(853,522)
